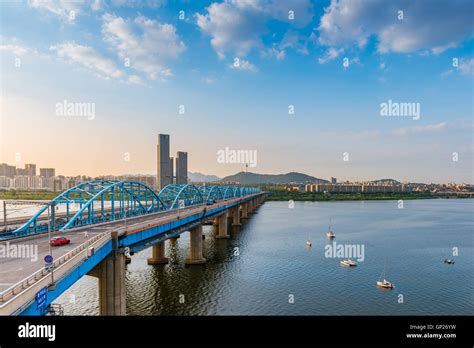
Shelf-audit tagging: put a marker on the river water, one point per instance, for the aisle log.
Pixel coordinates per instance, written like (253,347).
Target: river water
(266,268)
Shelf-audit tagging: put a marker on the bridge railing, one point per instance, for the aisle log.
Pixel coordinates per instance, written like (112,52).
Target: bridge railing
(43,273)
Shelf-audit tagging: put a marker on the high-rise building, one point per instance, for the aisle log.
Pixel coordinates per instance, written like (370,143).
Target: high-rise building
(164,170)
(48,172)
(22,181)
(182,168)
(6,170)
(21,171)
(171,170)
(30,169)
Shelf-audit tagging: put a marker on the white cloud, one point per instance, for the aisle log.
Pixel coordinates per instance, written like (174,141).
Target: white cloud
(67,10)
(138,3)
(465,67)
(331,54)
(430,128)
(275,52)
(236,26)
(88,57)
(433,27)
(149,51)
(135,79)
(209,80)
(292,39)
(97,5)
(244,65)
(13,45)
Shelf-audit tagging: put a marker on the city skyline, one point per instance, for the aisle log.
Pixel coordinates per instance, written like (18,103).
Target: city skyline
(143,70)
(331,180)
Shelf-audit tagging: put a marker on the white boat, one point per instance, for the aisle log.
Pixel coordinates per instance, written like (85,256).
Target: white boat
(449,261)
(330,234)
(308,243)
(384,283)
(349,263)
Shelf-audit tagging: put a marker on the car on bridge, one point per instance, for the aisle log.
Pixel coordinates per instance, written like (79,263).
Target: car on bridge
(58,241)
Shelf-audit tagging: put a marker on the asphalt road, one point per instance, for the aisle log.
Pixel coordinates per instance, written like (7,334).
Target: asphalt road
(15,269)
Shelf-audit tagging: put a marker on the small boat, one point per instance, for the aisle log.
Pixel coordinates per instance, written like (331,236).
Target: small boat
(330,234)
(349,263)
(449,261)
(384,283)
(308,243)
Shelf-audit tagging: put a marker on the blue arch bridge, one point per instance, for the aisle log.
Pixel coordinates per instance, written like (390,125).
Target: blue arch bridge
(106,222)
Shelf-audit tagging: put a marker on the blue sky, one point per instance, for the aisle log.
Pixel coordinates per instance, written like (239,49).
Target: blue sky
(290,53)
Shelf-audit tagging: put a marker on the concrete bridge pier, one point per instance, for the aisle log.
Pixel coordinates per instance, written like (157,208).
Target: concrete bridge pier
(250,208)
(223,226)
(158,254)
(245,214)
(111,274)
(195,247)
(236,216)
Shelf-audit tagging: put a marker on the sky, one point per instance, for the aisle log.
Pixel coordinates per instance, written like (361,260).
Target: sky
(298,83)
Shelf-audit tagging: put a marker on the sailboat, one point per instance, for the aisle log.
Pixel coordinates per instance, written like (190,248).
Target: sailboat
(330,234)
(384,283)
(348,262)
(308,242)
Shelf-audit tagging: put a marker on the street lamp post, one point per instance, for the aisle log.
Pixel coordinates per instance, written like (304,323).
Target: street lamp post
(5,215)
(49,241)
(126,213)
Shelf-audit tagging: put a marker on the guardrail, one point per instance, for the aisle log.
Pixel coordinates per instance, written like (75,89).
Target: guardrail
(26,283)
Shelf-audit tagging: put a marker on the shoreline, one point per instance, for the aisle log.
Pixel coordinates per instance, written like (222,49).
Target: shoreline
(308,197)
(276,196)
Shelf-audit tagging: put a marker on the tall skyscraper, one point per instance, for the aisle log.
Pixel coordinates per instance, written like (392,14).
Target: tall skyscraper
(47,172)
(30,169)
(164,170)
(182,168)
(171,170)
(6,170)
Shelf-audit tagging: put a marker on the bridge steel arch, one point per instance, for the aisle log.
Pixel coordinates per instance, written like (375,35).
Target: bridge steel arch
(180,196)
(85,203)
(132,198)
(228,192)
(211,193)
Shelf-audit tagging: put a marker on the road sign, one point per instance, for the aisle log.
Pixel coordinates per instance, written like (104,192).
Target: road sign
(41,298)
(48,259)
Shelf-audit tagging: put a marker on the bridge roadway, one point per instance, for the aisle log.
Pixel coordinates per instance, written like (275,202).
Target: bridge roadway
(15,271)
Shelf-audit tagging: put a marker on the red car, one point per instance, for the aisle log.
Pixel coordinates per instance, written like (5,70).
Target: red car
(58,241)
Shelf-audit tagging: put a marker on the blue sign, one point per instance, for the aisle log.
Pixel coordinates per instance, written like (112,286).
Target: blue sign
(41,297)
(48,259)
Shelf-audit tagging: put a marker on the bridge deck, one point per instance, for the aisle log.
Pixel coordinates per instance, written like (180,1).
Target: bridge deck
(14,270)
(21,278)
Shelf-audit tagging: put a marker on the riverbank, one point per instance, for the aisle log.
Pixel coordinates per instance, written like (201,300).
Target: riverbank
(275,195)
(28,195)
(308,196)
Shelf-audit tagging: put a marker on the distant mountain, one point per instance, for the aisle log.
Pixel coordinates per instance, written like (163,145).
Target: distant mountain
(385,182)
(246,178)
(198,177)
